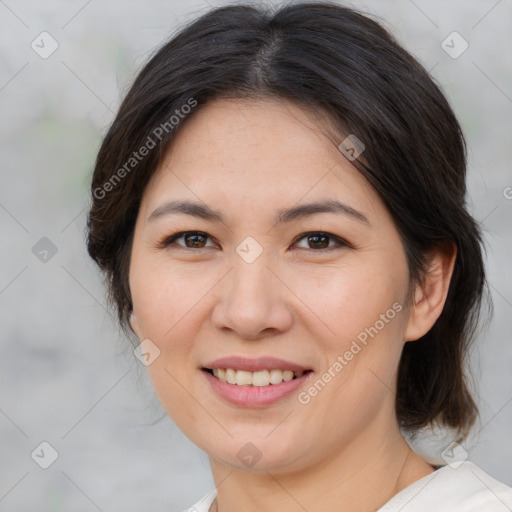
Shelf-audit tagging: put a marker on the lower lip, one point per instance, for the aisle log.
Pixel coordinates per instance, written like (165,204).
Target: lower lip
(254,396)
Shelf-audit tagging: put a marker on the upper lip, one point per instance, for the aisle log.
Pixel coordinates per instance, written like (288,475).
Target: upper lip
(255,364)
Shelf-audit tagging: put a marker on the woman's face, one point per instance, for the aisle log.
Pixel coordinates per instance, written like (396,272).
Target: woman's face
(258,283)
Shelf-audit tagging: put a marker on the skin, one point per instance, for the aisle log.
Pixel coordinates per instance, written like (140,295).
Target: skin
(297,301)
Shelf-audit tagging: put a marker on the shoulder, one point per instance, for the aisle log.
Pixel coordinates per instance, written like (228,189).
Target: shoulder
(204,504)
(464,488)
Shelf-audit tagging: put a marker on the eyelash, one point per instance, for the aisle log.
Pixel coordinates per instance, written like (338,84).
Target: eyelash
(341,243)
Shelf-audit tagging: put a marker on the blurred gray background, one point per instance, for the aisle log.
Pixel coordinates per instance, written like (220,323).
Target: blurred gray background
(67,376)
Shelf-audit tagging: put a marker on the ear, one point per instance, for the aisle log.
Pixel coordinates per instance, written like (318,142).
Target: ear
(134,323)
(430,294)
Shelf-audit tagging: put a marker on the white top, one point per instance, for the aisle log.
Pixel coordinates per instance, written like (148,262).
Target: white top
(462,488)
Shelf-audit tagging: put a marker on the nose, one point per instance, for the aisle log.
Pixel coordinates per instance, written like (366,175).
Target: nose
(252,301)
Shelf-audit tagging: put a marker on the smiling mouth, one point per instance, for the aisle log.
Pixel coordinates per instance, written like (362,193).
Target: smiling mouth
(260,378)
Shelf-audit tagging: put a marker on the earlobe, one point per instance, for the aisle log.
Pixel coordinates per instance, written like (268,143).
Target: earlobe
(430,295)
(134,324)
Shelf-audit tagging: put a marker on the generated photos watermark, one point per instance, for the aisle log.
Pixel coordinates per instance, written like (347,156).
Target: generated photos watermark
(343,360)
(159,133)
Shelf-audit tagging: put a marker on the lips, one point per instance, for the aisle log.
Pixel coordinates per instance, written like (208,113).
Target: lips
(254,382)
(255,365)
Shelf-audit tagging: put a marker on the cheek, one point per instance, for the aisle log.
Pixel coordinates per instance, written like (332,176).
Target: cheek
(163,297)
(349,299)
(364,317)
(164,308)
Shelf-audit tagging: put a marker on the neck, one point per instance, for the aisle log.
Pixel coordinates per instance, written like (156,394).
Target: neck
(362,476)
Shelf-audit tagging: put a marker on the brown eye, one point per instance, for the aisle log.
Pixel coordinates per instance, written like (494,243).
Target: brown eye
(192,240)
(317,241)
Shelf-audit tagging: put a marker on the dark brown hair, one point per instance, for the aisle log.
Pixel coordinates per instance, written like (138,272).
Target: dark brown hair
(333,60)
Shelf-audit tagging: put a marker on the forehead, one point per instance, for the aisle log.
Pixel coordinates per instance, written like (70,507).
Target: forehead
(265,153)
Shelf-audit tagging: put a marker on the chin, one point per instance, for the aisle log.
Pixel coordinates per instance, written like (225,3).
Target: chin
(256,454)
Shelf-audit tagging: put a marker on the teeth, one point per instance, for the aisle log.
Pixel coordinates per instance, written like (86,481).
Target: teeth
(287,375)
(243,378)
(259,378)
(230,376)
(276,376)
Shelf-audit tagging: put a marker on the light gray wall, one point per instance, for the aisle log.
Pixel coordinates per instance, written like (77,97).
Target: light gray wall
(65,376)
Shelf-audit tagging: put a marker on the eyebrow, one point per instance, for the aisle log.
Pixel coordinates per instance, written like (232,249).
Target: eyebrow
(203,211)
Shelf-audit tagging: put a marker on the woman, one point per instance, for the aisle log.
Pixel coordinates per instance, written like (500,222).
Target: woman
(279,207)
